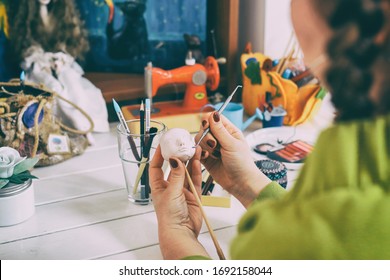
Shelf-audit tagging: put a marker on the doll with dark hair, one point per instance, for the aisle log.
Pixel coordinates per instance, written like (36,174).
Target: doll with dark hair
(47,38)
(131,40)
(54,25)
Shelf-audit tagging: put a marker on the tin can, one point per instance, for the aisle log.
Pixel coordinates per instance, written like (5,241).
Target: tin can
(17,203)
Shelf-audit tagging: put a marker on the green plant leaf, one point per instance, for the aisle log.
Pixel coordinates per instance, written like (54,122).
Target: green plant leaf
(27,164)
(21,177)
(277,95)
(3,183)
(252,71)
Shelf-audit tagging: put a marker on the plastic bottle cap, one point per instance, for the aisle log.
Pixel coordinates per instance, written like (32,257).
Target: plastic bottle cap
(286,74)
(190,61)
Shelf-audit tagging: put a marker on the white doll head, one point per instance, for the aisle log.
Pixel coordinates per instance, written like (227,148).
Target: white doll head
(177,142)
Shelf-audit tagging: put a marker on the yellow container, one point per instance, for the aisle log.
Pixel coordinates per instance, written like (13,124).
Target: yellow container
(300,103)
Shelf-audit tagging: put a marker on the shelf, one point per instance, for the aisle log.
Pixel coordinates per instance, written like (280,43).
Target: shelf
(125,87)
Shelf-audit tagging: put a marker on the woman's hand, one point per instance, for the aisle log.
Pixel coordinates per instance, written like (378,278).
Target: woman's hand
(227,157)
(178,214)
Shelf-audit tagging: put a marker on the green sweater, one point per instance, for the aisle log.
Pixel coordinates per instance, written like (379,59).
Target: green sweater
(339,207)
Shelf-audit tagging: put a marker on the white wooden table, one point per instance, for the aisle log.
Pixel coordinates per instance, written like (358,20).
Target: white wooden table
(82,212)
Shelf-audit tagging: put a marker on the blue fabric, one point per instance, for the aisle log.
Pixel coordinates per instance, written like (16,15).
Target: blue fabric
(29,115)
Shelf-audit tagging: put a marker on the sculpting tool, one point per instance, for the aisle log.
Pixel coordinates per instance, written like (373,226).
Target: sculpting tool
(220,111)
(122,120)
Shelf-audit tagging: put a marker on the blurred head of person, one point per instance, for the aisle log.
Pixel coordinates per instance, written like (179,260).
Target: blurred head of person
(346,44)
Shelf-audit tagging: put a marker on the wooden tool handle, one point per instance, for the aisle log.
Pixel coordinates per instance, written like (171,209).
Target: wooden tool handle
(211,231)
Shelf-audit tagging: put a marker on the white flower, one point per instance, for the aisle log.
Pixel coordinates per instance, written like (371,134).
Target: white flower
(9,158)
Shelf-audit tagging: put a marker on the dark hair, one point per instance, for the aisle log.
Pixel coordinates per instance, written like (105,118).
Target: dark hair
(353,51)
(27,29)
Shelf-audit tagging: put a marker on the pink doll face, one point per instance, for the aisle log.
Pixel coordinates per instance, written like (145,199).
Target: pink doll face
(177,142)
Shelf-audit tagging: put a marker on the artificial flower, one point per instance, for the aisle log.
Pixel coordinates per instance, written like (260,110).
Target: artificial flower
(14,168)
(9,158)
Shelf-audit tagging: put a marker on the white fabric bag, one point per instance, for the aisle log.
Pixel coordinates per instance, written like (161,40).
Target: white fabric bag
(62,74)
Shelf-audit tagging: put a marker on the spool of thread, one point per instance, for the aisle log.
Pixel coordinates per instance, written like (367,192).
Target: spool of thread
(274,170)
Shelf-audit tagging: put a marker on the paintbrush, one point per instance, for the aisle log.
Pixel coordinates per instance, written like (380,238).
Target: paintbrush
(286,60)
(122,120)
(207,185)
(211,231)
(22,80)
(145,157)
(290,45)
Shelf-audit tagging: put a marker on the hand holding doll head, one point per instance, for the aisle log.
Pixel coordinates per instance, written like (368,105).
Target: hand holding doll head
(177,142)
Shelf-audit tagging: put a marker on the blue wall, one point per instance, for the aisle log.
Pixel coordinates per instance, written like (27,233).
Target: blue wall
(166,22)
(169,19)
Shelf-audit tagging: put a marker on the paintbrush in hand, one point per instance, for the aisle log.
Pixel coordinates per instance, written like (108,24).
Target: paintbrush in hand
(199,202)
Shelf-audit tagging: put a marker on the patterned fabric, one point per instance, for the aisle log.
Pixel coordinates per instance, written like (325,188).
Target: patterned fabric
(274,170)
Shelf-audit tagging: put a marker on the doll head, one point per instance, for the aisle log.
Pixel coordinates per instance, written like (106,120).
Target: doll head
(177,142)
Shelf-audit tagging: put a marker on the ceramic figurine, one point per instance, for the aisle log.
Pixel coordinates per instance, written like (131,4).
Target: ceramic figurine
(194,45)
(177,142)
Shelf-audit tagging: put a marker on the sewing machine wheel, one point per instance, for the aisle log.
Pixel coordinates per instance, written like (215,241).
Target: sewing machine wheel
(212,70)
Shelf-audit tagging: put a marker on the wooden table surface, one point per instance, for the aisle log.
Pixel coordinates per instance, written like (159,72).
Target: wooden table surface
(82,212)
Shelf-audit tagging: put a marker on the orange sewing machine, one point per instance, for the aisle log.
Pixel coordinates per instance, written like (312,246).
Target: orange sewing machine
(184,113)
